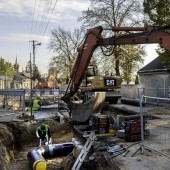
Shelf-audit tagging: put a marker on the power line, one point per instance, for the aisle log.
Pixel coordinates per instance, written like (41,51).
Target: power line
(37,15)
(48,20)
(44,22)
(42,27)
(44,16)
(32,20)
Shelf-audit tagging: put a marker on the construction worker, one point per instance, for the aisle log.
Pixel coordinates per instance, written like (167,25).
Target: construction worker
(36,104)
(43,134)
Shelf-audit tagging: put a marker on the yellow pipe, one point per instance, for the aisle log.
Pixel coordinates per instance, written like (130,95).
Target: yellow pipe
(37,156)
(39,165)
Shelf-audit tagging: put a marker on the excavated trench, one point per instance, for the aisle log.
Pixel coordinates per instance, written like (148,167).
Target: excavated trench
(18,138)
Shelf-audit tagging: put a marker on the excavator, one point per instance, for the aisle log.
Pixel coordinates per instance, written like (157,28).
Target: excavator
(81,111)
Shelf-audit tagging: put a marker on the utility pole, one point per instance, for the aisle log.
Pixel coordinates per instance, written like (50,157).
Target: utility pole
(31,84)
(33,45)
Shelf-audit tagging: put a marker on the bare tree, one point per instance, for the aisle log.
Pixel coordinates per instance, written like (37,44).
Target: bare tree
(64,45)
(113,13)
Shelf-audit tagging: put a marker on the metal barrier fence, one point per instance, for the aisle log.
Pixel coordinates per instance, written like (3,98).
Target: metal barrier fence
(159,138)
(11,99)
(156,92)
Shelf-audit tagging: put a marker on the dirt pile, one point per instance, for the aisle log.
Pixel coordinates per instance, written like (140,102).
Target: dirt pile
(6,146)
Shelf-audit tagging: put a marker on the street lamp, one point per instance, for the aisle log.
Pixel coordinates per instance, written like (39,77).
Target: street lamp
(33,45)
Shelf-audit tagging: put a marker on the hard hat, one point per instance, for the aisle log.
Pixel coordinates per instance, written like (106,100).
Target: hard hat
(43,128)
(37,97)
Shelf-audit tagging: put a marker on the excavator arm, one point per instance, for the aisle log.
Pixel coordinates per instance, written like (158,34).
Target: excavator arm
(93,39)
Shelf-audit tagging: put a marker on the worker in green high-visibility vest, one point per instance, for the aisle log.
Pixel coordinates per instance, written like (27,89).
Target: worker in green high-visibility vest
(36,105)
(43,134)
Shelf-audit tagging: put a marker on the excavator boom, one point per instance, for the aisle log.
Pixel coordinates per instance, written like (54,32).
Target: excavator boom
(154,36)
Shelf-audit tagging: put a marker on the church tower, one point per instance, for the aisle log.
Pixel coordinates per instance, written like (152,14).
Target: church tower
(16,66)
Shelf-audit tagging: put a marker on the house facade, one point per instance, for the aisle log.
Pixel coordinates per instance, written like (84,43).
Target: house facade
(155,79)
(4,82)
(154,82)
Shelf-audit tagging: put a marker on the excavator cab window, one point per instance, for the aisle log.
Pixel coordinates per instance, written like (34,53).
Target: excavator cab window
(89,73)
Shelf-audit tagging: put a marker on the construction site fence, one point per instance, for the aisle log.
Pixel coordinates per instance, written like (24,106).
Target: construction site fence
(156,92)
(15,99)
(156,121)
(11,92)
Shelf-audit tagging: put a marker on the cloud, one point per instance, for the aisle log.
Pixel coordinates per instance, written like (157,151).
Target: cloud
(42,8)
(16,8)
(22,38)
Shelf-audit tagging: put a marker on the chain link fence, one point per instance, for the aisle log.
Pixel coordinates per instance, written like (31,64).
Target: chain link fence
(158,124)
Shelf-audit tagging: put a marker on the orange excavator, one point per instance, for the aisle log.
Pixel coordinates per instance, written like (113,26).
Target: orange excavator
(80,110)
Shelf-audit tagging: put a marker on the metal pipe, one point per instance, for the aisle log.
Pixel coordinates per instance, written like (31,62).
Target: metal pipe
(37,156)
(158,98)
(141,119)
(147,147)
(125,28)
(129,29)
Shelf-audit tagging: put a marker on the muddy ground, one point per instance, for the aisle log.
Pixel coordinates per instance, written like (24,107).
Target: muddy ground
(18,138)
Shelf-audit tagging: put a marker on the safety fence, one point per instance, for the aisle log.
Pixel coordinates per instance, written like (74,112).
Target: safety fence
(157,121)
(157,92)
(11,99)
(41,92)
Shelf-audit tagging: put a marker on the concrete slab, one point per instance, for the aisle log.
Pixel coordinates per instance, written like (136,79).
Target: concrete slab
(48,111)
(45,115)
(51,106)
(142,162)
(159,140)
(9,116)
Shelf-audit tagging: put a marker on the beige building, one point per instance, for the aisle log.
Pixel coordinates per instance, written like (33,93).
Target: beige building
(4,82)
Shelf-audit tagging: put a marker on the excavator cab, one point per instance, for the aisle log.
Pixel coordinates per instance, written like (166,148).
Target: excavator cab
(93,82)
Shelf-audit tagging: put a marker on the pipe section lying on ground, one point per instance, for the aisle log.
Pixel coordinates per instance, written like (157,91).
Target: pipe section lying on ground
(37,156)
(134,102)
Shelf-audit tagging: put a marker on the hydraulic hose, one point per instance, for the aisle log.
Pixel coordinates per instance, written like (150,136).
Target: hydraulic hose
(37,156)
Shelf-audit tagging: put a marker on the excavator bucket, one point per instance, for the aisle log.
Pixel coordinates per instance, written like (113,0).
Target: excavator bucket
(81,112)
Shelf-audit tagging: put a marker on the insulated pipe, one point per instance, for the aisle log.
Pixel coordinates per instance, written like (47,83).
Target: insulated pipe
(37,156)
(134,102)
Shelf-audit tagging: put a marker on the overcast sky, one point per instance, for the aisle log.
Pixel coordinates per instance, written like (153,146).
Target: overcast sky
(23,21)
